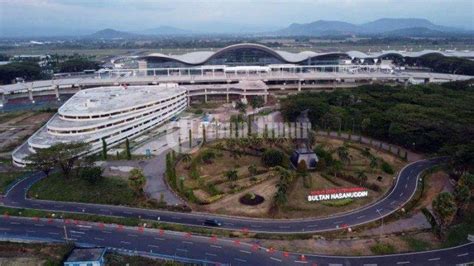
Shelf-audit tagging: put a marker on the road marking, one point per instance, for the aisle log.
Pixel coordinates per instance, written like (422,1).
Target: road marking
(245,251)
(300,261)
(187,242)
(159,238)
(98,239)
(211,254)
(401,194)
(360,217)
(77,232)
(372,264)
(403,262)
(153,246)
(433,259)
(216,246)
(229,224)
(241,260)
(53,233)
(462,255)
(14,223)
(182,249)
(393,202)
(125,242)
(313,225)
(275,259)
(107,232)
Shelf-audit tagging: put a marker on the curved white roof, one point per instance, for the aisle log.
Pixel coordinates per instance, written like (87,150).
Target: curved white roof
(198,58)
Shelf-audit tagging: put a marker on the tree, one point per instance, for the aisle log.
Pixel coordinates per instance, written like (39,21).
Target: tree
(136,181)
(272,157)
(361,176)
(190,133)
(253,169)
(257,102)
(343,153)
(78,65)
(42,160)
(203,134)
(280,197)
(444,208)
(462,196)
(104,149)
(232,175)
(65,155)
(127,149)
(336,167)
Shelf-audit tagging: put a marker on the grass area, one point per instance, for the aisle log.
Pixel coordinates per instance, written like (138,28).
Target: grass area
(382,249)
(417,244)
(114,259)
(108,190)
(457,234)
(33,254)
(8,178)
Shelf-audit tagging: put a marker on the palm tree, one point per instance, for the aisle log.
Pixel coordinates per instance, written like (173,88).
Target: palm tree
(361,176)
(343,153)
(232,175)
(444,208)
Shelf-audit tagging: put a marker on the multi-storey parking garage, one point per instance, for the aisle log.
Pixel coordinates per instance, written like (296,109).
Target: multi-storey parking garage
(111,114)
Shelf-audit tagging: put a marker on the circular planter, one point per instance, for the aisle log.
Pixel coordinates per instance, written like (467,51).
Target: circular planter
(251,199)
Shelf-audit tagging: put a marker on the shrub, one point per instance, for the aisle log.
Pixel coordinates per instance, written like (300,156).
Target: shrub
(381,249)
(207,156)
(92,174)
(387,168)
(272,158)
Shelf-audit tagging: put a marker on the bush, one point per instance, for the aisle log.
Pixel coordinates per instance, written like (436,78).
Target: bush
(381,249)
(387,168)
(207,156)
(272,157)
(92,174)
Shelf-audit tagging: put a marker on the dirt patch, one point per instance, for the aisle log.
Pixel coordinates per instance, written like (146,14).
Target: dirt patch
(435,183)
(355,247)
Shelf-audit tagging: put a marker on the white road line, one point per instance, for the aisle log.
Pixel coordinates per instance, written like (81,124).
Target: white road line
(300,261)
(125,242)
(159,238)
(463,254)
(98,238)
(215,246)
(403,262)
(107,232)
(182,249)
(76,232)
(401,194)
(433,259)
(275,259)
(245,251)
(241,260)
(211,254)
(360,217)
(53,233)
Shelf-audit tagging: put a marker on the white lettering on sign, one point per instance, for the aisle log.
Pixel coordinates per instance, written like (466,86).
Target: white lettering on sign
(335,194)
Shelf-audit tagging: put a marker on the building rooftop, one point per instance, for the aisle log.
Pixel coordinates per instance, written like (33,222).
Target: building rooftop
(104,100)
(86,254)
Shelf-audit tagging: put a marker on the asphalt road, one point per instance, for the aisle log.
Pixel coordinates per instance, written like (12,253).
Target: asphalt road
(199,249)
(401,193)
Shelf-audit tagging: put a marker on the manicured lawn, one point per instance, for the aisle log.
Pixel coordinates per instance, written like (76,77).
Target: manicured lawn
(6,179)
(109,190)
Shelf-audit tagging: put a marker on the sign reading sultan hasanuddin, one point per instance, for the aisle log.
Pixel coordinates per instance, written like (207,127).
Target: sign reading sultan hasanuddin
(338,193)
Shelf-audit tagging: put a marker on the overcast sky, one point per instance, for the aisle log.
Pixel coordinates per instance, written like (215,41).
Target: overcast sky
(219,15)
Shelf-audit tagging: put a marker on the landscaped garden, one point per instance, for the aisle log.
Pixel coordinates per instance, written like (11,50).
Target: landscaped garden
(253,177)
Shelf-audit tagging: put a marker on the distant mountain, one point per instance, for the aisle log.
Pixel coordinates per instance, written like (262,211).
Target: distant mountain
(384,26)
(111,34)
(166,30)
(320,27)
